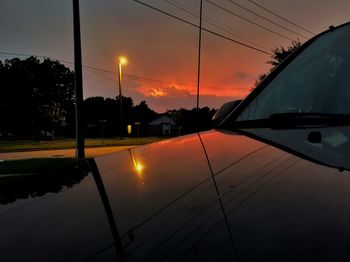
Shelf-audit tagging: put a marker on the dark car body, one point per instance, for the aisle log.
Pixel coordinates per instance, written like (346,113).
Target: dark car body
(279,207)
(246,191)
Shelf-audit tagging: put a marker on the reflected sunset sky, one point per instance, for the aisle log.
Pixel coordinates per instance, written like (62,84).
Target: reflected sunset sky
(162,52)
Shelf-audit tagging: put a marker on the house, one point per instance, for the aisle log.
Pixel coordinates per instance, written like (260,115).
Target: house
(163,125)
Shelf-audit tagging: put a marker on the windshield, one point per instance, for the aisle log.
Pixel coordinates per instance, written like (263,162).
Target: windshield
(305,108)
(316,81)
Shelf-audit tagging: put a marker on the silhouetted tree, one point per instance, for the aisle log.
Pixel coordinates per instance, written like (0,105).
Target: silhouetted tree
(37,96)
(194,120)
(142,116)
(100,111)
(278,55)
(34,96)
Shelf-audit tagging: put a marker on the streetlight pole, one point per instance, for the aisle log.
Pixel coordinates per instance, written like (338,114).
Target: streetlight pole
(121,61)
(102,122)
(78,81)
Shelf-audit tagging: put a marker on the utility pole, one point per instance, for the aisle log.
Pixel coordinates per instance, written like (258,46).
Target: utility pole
(197,123)
(78,81)
(199,51)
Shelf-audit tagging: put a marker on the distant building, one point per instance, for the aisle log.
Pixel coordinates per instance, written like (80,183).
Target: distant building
(162,125)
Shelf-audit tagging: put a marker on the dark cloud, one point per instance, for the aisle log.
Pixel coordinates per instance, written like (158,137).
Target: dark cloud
(242,77)
(238,79)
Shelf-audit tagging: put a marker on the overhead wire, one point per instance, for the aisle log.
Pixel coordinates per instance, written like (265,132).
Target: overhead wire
(213,23)
(146,79)
(281,17)
(109,72)
(266,19)
(247,20)
(168,14)
(11,54)
(203,28)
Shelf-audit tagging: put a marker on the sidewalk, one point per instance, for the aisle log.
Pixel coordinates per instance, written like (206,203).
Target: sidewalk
(89,152)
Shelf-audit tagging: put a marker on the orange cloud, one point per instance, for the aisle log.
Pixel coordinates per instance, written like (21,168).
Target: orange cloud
(162,91)
(156,92)
(173,91)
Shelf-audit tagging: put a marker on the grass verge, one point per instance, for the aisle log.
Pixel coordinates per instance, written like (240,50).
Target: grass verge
(31,145)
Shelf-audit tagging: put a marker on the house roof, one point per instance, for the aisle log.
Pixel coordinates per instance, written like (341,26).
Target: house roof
(164,119)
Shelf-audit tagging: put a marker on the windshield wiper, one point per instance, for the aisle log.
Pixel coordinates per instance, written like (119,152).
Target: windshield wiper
(296,120)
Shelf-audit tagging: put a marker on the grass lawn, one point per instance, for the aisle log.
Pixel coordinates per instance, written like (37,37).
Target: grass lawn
(29,145)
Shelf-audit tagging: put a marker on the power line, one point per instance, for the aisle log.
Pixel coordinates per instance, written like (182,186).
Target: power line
(109,72)
(144,79)
(140,78)
(213,23)
(249,21)
(204,29)
(40,56)
(281,17)
(91,68)
(266,19)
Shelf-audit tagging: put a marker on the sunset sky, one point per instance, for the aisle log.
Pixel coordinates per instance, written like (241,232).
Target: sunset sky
(162,52)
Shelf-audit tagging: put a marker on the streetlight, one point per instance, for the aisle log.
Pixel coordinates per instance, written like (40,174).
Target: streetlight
(121,61)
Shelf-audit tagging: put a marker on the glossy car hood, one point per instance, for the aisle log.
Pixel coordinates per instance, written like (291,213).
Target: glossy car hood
(278,205)
(160,201)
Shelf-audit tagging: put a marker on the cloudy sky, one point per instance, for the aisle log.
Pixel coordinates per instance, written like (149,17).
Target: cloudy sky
(162,51)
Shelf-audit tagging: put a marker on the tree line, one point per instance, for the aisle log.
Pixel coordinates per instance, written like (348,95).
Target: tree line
(37,101)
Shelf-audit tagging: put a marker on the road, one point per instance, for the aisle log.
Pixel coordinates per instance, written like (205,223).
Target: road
(89,152)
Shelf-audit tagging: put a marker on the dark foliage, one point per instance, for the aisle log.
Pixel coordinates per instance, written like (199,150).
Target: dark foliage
(104,113)
(190,121)
(281,53)
(37,101)
(35,96)
(278,55)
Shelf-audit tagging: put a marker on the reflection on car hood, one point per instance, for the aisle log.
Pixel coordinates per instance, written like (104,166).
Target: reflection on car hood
(160,202)
(278,205)
(15,187)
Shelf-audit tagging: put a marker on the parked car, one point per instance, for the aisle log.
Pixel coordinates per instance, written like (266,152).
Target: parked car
(270,183)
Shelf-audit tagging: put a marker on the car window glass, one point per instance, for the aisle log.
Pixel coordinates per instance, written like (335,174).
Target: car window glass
(332,149)
(317,80)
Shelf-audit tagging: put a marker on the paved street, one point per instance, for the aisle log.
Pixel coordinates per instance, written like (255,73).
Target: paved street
(90,152)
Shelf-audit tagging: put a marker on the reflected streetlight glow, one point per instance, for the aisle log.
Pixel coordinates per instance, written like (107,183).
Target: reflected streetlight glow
(137,165)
